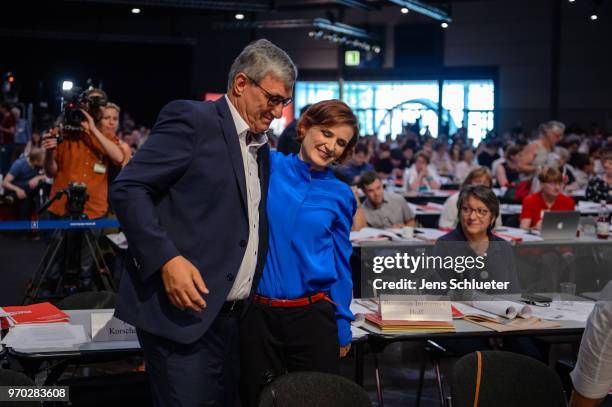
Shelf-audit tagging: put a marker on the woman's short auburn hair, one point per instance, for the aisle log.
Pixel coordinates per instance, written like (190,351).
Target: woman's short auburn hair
(478,172)
(330,113)
(550,174)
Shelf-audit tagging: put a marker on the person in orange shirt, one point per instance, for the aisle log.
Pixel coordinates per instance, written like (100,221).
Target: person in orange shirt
(81,157)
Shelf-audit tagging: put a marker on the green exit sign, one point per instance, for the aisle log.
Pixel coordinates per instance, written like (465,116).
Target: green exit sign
(351,58)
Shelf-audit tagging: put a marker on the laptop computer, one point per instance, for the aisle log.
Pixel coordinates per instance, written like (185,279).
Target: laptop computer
(560,225)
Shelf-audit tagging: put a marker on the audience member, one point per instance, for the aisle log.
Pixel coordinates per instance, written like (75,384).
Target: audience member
(35,141)
(488,153)
(22,133)
(583,168)
(7,136)
(384,209)
(507,173)
(441,159)
(536,155)
(23,181)
(465,165)
(549,198)
(422,175)
(358,164)
(287,142)
(567,171)
(449,215)
(599,187)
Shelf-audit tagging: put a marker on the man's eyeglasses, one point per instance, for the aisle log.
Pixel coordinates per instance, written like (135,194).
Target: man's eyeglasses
(480,212)
(273,100)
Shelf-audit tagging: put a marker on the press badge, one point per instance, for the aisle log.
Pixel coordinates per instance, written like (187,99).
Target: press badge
(99,168)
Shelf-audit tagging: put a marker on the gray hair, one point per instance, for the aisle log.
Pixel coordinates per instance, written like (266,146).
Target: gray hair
(260,58)
(550,125)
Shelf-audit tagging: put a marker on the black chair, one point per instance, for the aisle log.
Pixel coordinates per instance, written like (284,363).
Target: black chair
(505,379)
(12,378)
(88,300)
(307,389)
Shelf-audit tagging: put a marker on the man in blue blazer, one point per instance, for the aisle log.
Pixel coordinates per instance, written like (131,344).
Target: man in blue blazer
(192,203)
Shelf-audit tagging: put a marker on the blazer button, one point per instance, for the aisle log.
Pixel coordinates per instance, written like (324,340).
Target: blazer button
(243,243)
(229,277)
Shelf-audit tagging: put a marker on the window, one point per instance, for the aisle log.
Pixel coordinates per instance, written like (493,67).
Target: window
(384,107)
(471,104)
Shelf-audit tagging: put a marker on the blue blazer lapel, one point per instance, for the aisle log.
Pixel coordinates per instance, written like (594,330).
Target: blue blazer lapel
(233,146)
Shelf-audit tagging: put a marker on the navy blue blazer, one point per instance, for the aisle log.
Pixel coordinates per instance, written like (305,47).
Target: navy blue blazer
(184,193)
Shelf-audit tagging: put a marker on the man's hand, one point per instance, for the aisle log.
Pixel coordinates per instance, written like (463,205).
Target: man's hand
(344,350)
(33,183)
(21,194)
(49,142)
(184,284)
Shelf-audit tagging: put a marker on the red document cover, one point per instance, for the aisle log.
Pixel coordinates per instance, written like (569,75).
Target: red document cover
(43,313)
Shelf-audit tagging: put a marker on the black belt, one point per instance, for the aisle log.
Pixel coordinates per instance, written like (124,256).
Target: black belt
(229,307)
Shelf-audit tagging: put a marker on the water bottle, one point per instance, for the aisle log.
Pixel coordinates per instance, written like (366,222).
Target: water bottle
(603,223)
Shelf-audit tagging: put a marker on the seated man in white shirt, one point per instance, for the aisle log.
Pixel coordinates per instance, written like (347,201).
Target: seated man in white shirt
(449,215)
(592,376)
(384,209)
(422,175)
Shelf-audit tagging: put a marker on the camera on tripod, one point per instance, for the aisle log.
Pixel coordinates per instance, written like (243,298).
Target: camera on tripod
(76,194)
(76,99)
(76,197)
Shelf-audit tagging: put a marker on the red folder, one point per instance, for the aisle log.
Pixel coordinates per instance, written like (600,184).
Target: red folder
(43,313)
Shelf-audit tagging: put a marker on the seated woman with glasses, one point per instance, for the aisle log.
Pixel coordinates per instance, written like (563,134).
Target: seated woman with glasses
(478,208)
(448,216)
(549,198)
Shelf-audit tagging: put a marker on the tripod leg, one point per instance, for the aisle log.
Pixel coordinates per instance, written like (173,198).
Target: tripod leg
(47,261)
(105,280)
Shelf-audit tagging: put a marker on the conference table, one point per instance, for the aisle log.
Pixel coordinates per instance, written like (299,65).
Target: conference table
(55,361)
(567,332)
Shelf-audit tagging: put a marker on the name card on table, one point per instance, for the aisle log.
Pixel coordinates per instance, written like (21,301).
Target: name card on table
(413,308)
(105,327)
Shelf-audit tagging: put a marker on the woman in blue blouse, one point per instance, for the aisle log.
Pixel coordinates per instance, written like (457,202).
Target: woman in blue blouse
(300,318)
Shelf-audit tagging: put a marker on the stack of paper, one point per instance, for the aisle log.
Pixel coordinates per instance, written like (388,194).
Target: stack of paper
(45,337)
(43,313)
(391,326)
(374,234)
(499,317)
(430,235)
(506,309)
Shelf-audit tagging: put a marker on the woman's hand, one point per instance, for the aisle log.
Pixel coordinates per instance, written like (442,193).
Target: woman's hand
(88,124)
(344,350)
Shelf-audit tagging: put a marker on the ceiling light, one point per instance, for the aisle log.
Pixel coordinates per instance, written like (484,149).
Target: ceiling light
(239,16)
(594,17)
(404,10)
(444,25)
(136,10)
(67,85)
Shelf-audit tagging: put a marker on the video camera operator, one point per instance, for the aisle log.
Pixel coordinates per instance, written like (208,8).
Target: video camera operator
(82,155)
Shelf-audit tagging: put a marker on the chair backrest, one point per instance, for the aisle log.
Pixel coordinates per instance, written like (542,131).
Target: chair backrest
(12,378)
(88,300)
(506,380)
(307,389)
